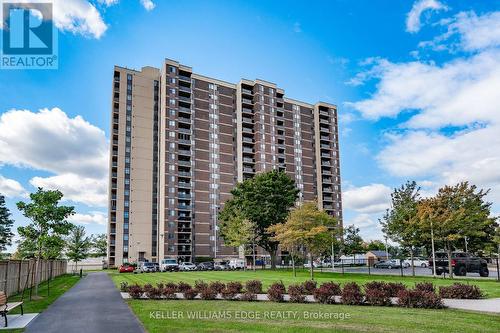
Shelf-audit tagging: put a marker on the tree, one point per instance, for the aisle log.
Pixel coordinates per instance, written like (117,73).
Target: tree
(400,222)
(375,245)
(456,212)
(236,230)
(6,224)
(352,240)
(306,226)
(78,245)
(265,200)
(99,245)
(48,221)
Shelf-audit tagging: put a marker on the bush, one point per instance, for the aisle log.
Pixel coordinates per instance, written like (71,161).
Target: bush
(254,286)
(208,293)
(189,293)
(172,285)
(228,294)
(135,291)
(351,294)
(393,288)
(425,286)
(248,297)
(147,287)
(183,286)
(154,293)
(376,293)
(124,286)
(326,292)
(419,299)
(169,292)
(234,286)
(199,285)
(217,286)
(461,291)
(296,293)
(309,286)
(276,291)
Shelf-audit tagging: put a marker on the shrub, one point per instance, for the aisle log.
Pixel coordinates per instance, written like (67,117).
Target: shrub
(461,290)
(326,292)
(189,293)
(208,293)
(228,294)
(169,292)
(147,287)
(393,288)
(425,286)
(135,291)
(199,285)
(419,299)
(183,286)
(376,293)
(124,286)
(296,293)
(351,294)
(248,297)
(154,293)
(172,285)
(217,286)
(234,286)
(309,286)
(254,286)
(276,291)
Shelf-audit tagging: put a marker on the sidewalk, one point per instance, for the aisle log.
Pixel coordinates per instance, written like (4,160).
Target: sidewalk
(93,305)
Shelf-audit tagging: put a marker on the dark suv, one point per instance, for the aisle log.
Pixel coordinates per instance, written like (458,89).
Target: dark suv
(205,266)
(461,263)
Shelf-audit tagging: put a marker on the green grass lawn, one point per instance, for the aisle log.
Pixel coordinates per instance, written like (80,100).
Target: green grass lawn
(58,286)
(154,315)
(491,288)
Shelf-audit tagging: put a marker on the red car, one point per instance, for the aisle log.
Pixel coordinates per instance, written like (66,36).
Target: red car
(126,269)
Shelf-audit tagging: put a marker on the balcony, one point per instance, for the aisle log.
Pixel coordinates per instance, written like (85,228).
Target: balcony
(325,138)
(185,130)
(246,91)
(247,130)
(247,120)
(326,172)
(185,207)
(324,129)
(247,150)
(184,152)
(325,155)
(325,163)
(186,142)
(184,195)
(248,160)
(185,99)
(328,198)
(324,113)
(184,120)
(247,110)
(184,174)
(324,146)
(247,101)
(184,184)
(184,78)
(328,189)
(185,89)
(327,180)
(247,140)
(183,109)
(248,170)
(184,163)
(324,121)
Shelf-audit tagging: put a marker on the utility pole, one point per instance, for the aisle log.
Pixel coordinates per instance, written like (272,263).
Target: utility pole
(465,237)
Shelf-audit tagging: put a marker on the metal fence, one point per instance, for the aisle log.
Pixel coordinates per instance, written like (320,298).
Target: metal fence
(16,275)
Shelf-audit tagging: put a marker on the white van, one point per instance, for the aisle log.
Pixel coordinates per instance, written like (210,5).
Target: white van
(236,264)
(169,265)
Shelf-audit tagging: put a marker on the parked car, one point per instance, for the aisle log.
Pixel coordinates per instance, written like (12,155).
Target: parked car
(392,263)
(236,264)
(461,263)
(169,265)
(205,266)
(221,266)
(125,268)
(417,262)
(315,265)
(148,267)
(187,266)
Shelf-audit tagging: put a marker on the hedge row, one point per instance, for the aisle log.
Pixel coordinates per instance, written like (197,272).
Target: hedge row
(423,295)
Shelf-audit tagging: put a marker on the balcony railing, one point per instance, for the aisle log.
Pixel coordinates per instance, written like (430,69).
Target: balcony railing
(184,78)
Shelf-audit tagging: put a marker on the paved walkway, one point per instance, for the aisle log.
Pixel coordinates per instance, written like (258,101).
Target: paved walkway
(483,305)
(93,305)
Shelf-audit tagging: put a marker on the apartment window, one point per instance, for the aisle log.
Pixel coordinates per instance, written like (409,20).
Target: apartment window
(172,91)
(171,80)
(171,101)
(171,248)
(171,123)
(172,212)
(172,112)
(171,69)
(125,215)
(129,77)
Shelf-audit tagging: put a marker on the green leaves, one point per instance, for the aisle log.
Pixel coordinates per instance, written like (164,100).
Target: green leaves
(6,224)
(78,245)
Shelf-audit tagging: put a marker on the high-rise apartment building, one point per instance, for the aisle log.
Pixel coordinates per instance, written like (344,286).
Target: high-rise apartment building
(181,141)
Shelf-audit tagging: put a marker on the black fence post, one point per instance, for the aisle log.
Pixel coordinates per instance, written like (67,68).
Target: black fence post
(342,264)
(401,267)
(369,268)
(498,271)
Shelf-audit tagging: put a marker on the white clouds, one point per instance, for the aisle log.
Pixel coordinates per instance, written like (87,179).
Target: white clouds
(92,218)
(89,191)
(148,4)
(50,140)
(463,91)
(368,199)
(473,32)
(413,19)
(11,188)
(71,148)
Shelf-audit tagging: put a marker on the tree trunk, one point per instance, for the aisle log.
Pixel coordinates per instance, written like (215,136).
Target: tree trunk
(311,264)
(253,255)
(412,263)
(273,258)
(450,271)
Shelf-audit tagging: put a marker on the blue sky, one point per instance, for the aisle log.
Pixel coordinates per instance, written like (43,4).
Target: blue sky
(417,84)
